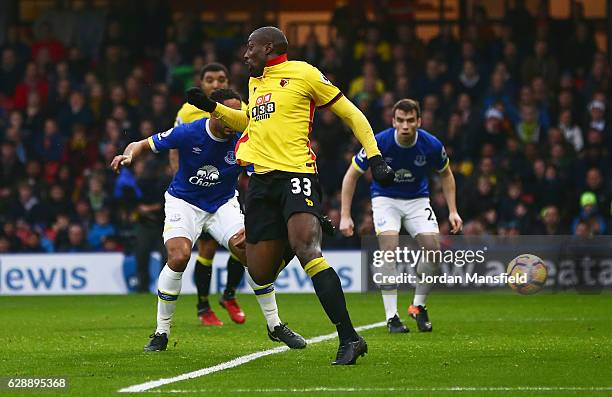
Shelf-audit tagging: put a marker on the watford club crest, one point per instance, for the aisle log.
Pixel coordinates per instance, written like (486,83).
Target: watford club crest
(284,82)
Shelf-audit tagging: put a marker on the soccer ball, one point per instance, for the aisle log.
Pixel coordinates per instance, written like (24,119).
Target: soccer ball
(533,267)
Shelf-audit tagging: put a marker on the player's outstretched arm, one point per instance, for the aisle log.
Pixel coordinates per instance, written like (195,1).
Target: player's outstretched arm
(236,119)
(357,122)
(132,151)
(449,190)
(348,190)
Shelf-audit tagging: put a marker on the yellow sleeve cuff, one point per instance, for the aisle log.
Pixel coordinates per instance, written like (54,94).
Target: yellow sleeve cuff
(445,166)
(152,144)
(356,166)
(236,119)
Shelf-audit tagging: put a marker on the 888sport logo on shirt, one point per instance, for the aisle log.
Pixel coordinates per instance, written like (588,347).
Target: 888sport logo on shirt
(263,107)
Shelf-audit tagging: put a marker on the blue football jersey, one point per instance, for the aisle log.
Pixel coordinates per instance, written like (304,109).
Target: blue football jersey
(411,164)
(208,172)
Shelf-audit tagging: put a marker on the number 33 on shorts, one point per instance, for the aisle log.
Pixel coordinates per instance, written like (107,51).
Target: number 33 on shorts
(302,186)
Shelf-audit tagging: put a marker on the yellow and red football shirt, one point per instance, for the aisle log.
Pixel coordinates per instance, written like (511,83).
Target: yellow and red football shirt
(281,106)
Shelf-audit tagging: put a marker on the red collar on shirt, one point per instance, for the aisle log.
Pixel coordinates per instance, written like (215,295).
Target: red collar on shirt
(275,61)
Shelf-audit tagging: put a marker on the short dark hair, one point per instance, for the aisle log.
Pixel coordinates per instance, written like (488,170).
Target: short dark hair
(408,105)
(223,94)
(214,67)
(274,35)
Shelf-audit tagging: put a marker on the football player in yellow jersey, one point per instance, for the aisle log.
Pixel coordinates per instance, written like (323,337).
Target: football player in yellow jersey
(283,203)
(213,76)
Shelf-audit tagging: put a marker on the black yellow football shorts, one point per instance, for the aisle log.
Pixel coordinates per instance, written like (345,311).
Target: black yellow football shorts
(273,197)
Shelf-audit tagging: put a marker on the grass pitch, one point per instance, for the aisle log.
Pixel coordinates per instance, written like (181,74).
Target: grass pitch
(486,343)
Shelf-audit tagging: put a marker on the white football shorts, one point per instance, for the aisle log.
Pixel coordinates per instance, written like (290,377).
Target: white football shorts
(187,220)
(416,215)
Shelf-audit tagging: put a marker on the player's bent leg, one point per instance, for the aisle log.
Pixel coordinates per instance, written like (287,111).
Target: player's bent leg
(388,240)
(235,267)
(207,247)
(430,241)
(202,277)
(168,290)
(265,260)
(235,273)
(263,257)
(226,226)
(277,330)
(227,300)
(304,231)
(264,292)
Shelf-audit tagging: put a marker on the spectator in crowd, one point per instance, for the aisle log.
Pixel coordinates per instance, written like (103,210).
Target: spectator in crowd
(429,82)
(11,168)
(10,73)
(528,129)
(571,131)
(75,112)
(57,233)
(58,203)
(541,64)
(550,221)
(469,80)
(161,114)
(76,240)
(595,183)
(27,206)
(9,234)
(31,83)
(5,245)
(100,230)
(48,43)
(367,84)
(311,50)
(580,49)
(492,132)
(114,67)
(444,45)
(79,152)
(50,144)
(34,116)
(596,116)
(33,244)
(589,214)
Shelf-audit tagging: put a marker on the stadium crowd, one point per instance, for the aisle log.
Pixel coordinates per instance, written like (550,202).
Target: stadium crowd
(521,106)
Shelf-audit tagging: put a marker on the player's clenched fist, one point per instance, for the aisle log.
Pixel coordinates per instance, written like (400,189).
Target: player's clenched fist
(381,172)
(347,226)
(197,97)
(119,161)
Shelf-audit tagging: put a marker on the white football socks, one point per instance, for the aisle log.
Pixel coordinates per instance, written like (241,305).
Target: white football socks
(168,290)
(266,297)
(422,289)
(388,290)
(389,297)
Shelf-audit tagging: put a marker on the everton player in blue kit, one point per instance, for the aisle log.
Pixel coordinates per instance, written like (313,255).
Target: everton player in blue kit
(412,153)
(202,196)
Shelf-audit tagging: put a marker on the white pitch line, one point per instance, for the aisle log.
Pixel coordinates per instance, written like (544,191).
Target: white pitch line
(233,363)
(393,389)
